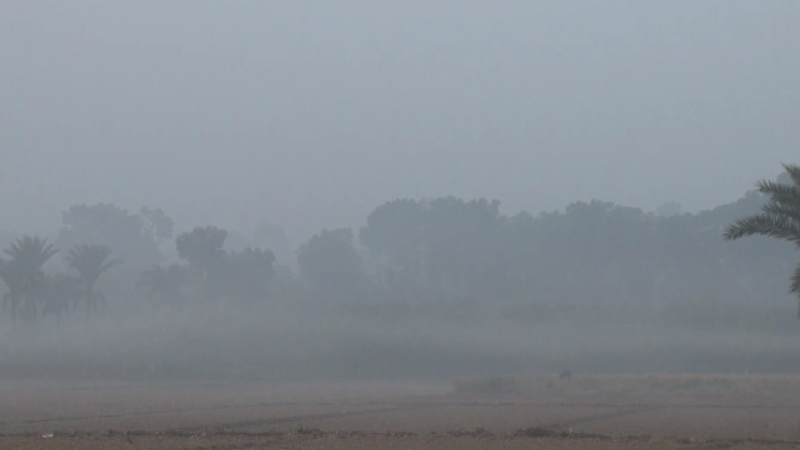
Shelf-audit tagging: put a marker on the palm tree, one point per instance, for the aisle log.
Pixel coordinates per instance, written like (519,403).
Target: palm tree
(90,261)
(23,274)
(163,284)
(780,218)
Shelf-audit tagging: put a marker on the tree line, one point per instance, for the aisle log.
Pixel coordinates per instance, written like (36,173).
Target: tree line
(447,254)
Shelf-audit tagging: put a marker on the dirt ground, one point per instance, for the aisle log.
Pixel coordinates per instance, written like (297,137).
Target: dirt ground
(241,414)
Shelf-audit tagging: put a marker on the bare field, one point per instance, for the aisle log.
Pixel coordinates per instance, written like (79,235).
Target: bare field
(636,411)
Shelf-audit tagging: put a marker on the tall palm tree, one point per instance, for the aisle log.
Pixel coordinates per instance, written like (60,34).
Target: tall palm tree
(780,218)
(23,274)
(163,284)
(90,261)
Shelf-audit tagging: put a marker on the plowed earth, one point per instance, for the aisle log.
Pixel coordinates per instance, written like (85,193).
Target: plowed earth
(240,414)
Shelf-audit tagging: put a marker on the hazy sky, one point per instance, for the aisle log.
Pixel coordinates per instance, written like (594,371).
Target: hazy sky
(311,113)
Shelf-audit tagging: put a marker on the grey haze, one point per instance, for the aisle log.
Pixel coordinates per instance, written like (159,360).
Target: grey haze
(311,114)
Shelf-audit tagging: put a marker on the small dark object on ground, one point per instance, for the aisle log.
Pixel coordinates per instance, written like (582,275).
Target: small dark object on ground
(565,375)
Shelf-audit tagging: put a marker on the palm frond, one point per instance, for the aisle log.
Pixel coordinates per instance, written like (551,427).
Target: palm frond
(30,253)
(794,172)
(779,191)
(782,210)
(90,261)
(765,224)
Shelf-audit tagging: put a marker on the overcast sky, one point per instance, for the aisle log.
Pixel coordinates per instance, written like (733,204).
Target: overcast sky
(311,113)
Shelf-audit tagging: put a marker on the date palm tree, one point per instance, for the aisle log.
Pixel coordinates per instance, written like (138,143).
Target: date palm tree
(779,218)
(23,275)
(91,261)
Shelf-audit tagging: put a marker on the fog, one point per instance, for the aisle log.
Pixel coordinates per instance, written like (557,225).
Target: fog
(349,157)
(309,115)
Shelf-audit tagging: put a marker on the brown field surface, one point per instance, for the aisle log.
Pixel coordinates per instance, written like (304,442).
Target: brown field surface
(597,412)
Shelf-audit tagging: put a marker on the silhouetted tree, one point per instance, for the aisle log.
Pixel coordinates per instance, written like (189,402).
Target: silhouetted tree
(780,218)
(203,249)
(460,246)
(91,261)
(134,237)
(23,274)
(163,285)
(330,265)
(447,246)
(156,223)
(395,231)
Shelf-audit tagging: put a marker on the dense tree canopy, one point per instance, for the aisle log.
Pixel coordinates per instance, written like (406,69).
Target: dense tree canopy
(330,264)
(590,259)
(202,247)
(133,237)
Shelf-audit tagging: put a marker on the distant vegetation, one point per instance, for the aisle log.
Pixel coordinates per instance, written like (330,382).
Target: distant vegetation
(445,257)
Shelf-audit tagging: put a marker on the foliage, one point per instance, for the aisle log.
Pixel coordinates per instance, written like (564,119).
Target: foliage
(163,285)
(156,223)
(329,263)
(91,261)
(23,275)
(447,257)
(780,218)
(202,247)
(441,246)
(29,254)
(592,253)
(134,237)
